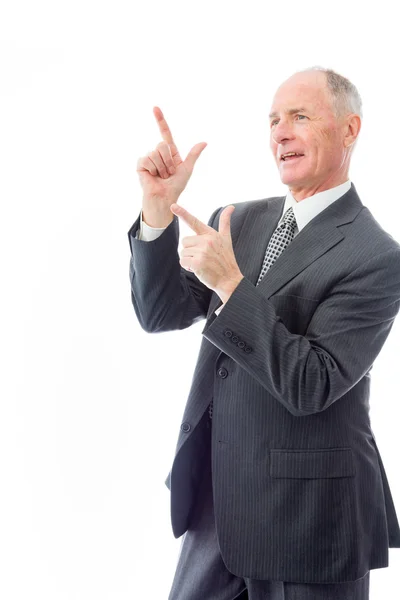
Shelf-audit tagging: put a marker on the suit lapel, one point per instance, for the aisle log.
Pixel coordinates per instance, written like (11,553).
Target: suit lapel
(316,238)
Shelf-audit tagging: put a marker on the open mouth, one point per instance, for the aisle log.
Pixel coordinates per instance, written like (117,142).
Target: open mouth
(292,158)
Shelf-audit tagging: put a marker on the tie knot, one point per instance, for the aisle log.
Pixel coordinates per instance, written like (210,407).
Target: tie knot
(289,217)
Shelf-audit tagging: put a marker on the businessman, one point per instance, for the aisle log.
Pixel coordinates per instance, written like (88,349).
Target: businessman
(277,486)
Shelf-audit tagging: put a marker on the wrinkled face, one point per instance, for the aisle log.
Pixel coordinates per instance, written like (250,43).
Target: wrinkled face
(303,121)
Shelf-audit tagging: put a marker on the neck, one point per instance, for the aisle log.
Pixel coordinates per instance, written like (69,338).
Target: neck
(301,193)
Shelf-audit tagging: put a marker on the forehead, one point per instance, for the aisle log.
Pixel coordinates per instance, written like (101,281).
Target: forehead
(303,90)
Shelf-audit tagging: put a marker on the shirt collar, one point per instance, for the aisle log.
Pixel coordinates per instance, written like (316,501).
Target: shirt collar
(307,209)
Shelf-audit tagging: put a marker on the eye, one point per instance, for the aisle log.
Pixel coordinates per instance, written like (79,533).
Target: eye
(276,120)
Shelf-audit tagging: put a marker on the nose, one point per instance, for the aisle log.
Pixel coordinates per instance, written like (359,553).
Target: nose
(282,132)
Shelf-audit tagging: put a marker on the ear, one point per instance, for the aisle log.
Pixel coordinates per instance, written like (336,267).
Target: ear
(353,129)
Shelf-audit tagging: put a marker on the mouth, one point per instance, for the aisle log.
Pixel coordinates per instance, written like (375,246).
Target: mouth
(291,158)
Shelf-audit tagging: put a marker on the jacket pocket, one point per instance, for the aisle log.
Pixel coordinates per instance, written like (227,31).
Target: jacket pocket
(312,464)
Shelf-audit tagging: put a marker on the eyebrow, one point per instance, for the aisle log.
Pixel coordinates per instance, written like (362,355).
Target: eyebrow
(290,111)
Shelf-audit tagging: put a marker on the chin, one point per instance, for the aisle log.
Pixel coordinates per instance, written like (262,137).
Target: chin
(291,178)
(291,181)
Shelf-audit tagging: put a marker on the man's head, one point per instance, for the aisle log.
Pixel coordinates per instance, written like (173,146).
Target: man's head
(323,127)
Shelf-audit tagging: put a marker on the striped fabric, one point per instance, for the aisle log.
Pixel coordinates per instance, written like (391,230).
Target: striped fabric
(299,487)
(280,239)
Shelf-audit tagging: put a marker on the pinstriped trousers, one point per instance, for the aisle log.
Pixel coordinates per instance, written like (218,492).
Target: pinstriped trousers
(201,573)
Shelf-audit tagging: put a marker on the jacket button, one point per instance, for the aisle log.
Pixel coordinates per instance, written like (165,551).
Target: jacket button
(234,339)
(228,333)
(248,349)
(241,345)
(222,372)
(186,427)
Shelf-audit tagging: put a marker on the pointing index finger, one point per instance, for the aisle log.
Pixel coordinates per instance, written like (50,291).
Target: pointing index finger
(194,223)
(165,130)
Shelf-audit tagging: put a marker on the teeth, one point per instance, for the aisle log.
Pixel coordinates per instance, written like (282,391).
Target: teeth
(290,154)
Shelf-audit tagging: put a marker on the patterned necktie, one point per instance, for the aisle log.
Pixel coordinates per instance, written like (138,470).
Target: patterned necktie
(280,240)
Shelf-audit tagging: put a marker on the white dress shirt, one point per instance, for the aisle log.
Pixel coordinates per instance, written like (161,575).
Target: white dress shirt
(304,211)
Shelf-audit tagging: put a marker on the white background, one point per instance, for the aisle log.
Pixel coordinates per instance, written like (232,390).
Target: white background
(91,404)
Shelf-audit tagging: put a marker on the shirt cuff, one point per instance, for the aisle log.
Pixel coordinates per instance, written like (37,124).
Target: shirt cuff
(219,309)
(147,233)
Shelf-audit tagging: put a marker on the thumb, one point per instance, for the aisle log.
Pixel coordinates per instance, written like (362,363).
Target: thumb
(224,227)
(193,155)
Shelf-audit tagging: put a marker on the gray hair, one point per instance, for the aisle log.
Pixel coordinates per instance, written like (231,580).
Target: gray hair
(344,94)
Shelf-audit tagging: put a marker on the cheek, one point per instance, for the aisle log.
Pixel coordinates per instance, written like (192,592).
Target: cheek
(327,138)
(323,146)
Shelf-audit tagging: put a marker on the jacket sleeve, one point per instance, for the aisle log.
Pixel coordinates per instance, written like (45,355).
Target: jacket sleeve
(345,335)
(164,295)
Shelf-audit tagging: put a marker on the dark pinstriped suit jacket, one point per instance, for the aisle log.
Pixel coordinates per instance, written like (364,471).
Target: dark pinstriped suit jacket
(300,491)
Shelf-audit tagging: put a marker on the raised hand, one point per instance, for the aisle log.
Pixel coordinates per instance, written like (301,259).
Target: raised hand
(163,174)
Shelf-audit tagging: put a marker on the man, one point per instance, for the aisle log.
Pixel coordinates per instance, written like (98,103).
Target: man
(277,482)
